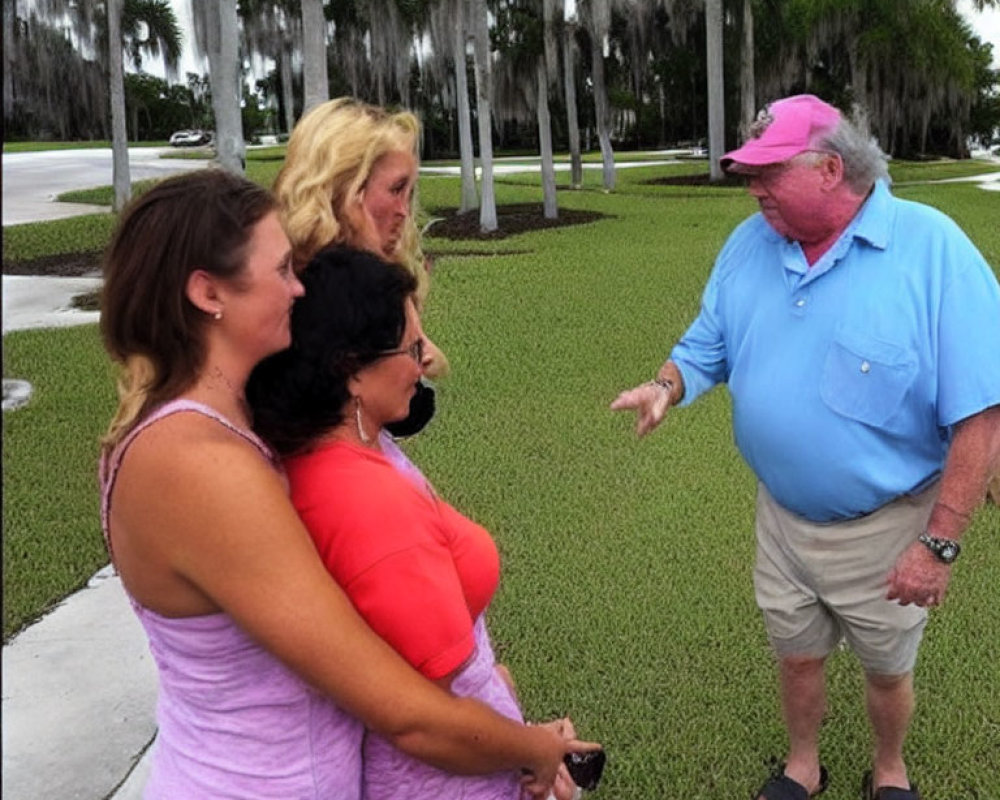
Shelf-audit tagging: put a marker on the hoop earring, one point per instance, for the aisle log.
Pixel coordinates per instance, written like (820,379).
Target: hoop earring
(357,419)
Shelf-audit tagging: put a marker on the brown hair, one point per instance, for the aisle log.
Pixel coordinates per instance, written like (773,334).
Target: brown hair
(201,220)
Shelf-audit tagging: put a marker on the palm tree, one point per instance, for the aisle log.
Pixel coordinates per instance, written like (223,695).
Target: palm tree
(716,88)
(596,16)
(157,20)
(748,100)
(549,204)
(483,74)
(569,91)
(469,197)
(527,63)
(316,88)
(116,85)
(352,40)
(109,27)
(125,21)
(217,34)
(273,28)
(448,30)
(547,69)
(9,19)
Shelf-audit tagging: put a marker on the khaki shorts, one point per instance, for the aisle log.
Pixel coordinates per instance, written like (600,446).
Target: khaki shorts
(816,583)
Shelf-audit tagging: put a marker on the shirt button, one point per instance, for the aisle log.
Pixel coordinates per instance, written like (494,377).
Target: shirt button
(866,367)
(800,302)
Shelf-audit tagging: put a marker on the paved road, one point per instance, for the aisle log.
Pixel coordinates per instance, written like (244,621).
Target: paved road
(32,181)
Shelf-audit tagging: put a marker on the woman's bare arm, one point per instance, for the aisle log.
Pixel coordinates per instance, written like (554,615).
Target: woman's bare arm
(222,518)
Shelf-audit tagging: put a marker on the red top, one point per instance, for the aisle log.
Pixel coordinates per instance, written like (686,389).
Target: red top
(417,570)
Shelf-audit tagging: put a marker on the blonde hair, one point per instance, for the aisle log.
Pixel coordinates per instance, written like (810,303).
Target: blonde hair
(136,378)
(331,153)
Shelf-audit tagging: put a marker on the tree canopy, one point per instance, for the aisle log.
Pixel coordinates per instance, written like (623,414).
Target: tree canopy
(638,68)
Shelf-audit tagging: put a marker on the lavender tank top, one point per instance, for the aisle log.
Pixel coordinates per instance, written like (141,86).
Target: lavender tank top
(390,774)
(233,721)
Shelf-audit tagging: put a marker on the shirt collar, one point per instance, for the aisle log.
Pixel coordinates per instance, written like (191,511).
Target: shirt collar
(871,224)
(874,218)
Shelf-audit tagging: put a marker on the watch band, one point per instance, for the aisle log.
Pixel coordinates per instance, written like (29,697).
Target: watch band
(944,550)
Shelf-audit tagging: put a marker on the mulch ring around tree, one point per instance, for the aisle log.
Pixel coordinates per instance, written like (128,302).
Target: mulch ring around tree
(512,219)
(701,179)
(64,265)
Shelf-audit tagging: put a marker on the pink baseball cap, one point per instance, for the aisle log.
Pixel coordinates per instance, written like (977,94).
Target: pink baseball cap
(784,129)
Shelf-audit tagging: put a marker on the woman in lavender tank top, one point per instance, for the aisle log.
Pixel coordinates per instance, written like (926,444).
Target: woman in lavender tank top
(266,671)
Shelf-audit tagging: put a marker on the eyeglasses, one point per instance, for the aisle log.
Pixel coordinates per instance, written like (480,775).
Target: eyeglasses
(414,351)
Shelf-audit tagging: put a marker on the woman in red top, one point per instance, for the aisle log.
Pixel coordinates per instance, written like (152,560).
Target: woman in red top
(418,571)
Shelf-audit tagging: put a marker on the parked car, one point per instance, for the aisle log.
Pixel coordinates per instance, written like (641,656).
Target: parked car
(189,138)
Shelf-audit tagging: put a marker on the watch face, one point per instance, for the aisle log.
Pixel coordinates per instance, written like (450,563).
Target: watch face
(948,553)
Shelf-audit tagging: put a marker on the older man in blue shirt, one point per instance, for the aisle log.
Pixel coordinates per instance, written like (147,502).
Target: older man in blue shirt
(859,336)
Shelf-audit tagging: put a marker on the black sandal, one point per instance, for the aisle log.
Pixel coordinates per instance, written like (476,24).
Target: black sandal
(780,787)
(869,792)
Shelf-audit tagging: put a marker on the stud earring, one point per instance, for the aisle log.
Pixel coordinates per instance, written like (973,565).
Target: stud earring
(217,315)
(357,419)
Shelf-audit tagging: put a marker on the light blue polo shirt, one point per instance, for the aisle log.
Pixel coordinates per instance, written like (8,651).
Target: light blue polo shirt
(846,377)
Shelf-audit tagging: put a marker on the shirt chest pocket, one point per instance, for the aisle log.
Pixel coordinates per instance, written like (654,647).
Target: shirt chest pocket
(866,379)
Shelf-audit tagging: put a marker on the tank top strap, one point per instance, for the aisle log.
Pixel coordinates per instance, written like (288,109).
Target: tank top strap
(111,462)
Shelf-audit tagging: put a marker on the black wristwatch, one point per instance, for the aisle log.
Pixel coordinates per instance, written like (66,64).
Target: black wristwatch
(944,550)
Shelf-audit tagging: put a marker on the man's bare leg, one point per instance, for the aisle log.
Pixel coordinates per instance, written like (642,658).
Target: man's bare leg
(803,704)
(890,707)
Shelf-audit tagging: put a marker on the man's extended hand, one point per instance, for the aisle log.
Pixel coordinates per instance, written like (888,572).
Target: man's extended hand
(650,401)
(918,578)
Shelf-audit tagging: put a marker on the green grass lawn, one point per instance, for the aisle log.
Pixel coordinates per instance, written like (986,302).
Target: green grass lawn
(626,597)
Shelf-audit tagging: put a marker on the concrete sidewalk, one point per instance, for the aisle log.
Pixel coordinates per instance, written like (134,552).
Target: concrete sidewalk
(79,694)
(79,685)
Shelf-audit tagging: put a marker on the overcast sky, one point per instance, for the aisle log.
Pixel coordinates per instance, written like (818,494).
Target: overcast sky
(986,25)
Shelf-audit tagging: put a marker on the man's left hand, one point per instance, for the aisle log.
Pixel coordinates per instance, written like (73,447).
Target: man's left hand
(918,578)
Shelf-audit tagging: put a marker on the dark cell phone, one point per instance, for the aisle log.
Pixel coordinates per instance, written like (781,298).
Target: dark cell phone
(585,768)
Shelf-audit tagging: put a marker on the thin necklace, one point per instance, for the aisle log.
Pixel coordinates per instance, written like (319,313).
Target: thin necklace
(216,376)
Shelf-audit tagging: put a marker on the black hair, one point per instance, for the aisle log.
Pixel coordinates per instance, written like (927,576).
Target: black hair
(354,309)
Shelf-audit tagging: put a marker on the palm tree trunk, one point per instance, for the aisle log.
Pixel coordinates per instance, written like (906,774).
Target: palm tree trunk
(748,103)
(716,109)
(602,113)
(9,14)
(316,87)
(119,135)
(287,95)
(224,74)
(481,42)
(572,122)
(469,199)
(551,207)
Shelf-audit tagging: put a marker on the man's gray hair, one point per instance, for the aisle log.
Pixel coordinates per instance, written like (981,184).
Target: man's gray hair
(864,161)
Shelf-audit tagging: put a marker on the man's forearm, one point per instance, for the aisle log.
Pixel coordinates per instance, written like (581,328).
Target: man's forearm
(973,458)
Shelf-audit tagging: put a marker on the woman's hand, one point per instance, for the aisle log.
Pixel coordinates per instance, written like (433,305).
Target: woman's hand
(560,785)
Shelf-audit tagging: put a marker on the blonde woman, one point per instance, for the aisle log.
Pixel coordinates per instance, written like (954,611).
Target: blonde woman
(349,178)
